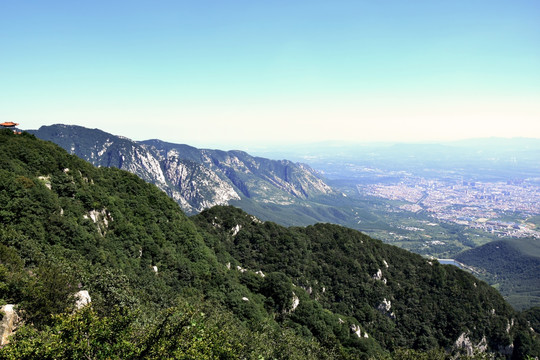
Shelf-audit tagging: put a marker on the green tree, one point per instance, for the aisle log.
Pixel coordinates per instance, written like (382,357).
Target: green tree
(277,287)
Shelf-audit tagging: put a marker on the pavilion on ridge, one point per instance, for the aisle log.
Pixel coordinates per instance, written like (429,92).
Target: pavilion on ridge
(10,125)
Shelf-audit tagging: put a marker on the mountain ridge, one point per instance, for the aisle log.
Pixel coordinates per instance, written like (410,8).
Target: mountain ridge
(195,178)
(67,225)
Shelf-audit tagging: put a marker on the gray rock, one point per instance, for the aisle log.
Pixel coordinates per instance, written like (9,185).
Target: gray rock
(82,299)
(9,323)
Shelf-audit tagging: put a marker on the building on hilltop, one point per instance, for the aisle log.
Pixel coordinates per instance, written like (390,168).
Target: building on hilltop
(10,125)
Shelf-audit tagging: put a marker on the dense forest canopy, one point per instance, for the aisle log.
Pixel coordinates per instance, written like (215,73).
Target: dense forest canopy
(219,285)
(512,265)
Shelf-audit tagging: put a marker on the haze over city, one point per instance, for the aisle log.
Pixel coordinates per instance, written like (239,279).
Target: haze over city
(211,73)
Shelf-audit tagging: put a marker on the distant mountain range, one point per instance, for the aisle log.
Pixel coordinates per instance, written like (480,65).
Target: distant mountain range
(282,191)
(201,178)
(485,158)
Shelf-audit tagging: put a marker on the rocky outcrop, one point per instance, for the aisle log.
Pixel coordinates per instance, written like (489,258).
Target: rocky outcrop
(195,178)
(82,298)
(265,180)
(101,219)
(295,302)
(195,185)
(378,275)
(358,331)
(465,344)
(235,230)
(384,307)
(9,323)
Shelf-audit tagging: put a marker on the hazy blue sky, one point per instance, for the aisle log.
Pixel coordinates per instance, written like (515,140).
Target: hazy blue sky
(232,72)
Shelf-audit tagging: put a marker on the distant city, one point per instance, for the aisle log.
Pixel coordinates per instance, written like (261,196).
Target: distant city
(435,199)
(500,208)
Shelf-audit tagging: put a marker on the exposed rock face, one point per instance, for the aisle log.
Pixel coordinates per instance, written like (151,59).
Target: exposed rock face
(235,230)
(358,331)
(82,298)
(193,185)
(385,306)
(101,219)
(46,181)
(8,324)
(379,276)
(241,269)
(464,343)
(295,302)
(195,178)
(270,181)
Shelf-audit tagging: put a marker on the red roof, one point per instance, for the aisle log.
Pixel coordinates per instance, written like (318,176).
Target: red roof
(8,124)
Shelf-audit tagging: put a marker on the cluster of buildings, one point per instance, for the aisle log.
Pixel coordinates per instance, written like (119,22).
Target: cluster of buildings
(487,206)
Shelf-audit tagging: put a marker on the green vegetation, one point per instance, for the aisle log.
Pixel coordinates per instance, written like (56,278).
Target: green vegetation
(510,265)
(167,286)
(380,218)
(338,266)
(416,232)
(533,317)
(535,220)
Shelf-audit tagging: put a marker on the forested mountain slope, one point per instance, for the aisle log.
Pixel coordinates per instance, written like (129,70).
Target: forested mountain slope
(283,191)
(190,184)
(513,266)
(399,298)
(220,285)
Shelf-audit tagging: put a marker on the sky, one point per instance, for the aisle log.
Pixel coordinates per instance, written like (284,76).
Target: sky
(231,73)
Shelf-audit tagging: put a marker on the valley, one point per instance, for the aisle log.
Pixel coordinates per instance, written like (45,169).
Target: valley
(446,201)
(270,180)
(437,201)
(428,209)
(220,284)
(501,209)
(472,191)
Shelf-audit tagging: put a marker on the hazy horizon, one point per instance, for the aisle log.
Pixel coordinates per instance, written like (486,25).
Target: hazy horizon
(226,73)
(284,146)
